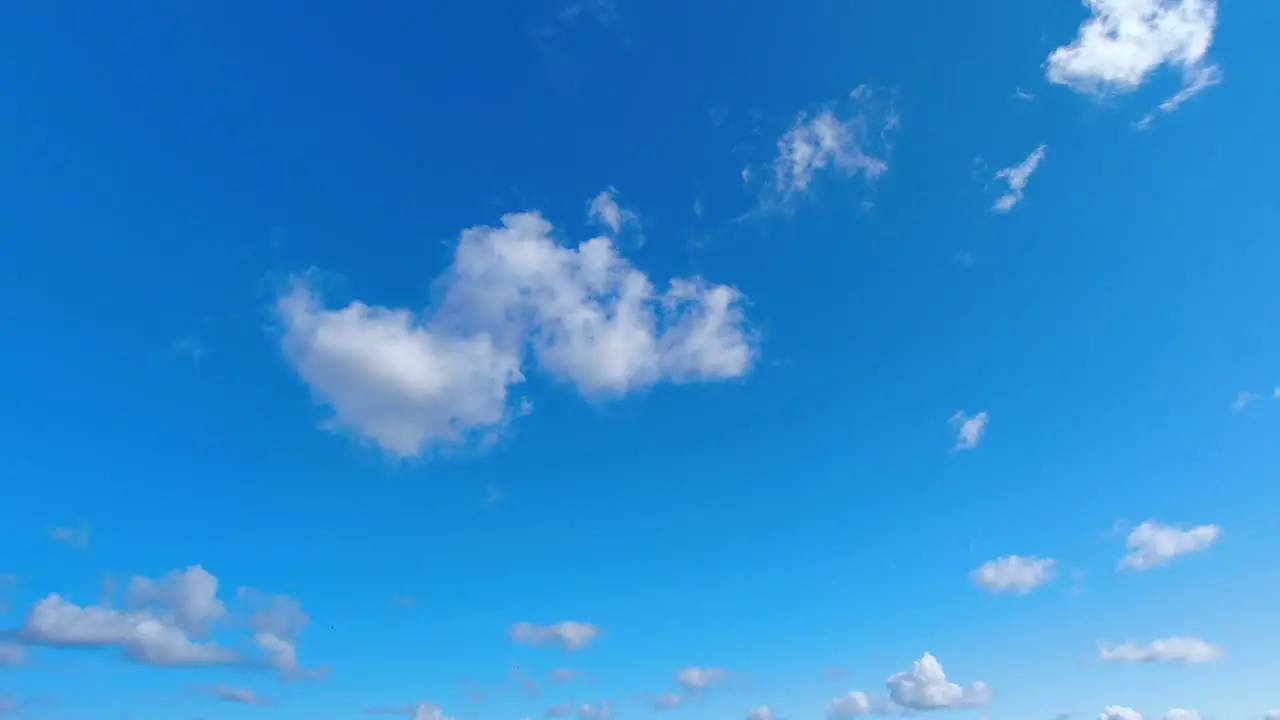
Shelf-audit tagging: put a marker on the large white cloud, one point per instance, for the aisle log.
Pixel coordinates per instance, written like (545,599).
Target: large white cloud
(512,294)
(1124,41)
(159,621)
(1153,545)
(1172,649)
(926,687)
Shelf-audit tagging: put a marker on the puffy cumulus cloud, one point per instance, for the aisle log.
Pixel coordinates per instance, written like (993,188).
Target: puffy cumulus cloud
(1171,650)
(187,599)
(569,634)
(1153,545)
(1016,179)
(850,705)
(1119,712)
(968,429)
(697,679)
(1123,41)
(1182,714)
(142,636)
(156,626)
(926,687)
(585,315)
(1014,573)
(764,712)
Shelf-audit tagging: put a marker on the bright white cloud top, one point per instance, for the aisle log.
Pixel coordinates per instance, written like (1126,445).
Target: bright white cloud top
(1154,545)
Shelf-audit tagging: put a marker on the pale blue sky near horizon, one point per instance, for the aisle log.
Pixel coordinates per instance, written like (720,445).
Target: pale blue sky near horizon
(265,318)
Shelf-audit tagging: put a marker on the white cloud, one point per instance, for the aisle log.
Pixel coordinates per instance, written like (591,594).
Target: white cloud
(142,636)
(1243,400)
(1124,41)
(764,712)
(606,211)
(157,624)
(1170,650)
(1016,178)
(12,655)
(187,599)
(695,679)
(586,315)
(850,705)
(926,687)
(1152,544)
(1014,573)
(569,634)
(1182,714)
(1119,712)
(814,144)
(1195,81)
(969,429)
(1272,715)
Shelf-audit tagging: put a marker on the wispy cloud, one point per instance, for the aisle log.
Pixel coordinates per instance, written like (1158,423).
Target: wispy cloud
(969,429)
(1016,179)
(75,537)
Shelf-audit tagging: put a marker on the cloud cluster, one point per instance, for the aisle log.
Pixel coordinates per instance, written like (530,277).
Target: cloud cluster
(584,314)
(1014,573)
(1152,545)
(1170,650)
(164,623)
(924,687)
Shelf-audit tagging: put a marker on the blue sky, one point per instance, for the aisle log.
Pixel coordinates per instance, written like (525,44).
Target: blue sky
(615,359)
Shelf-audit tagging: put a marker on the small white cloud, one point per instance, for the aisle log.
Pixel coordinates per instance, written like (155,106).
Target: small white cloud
(696,679)
(1124,41)
(605,211)
(969,429)
(764,712)
(1243,400)
(1193,651)
(926,687)
(1182,714)
(1016,178)
(1119,712)
(850,705)
(569,634)
(1153,545)
(1014,573)
(410,381)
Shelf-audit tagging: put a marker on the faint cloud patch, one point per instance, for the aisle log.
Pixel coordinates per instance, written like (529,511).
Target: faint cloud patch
(191,347)
(1243,400)
(568,635)
(75,537)
(227,693)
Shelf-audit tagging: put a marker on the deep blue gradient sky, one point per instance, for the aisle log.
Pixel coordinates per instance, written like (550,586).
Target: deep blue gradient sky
(192,193)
